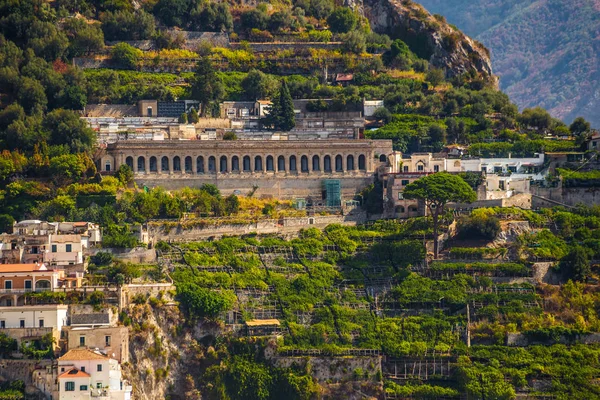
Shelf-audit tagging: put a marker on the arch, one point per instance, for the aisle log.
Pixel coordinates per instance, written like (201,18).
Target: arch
(258,163)
(177,164)
(270,164)
(316,163)
(164,164)
(382,158)
(362,164)
(304,164)
(339,167)
(280,163)
(292,163)
(199,165)
(246,162)
(412,208)
(212,164)
(187,163)
(400,210)
(235,163)
(223,164)
(42,284)
(153,164)
(327,163)
(141,164)
(350,163)
(107,166)
(129,162)
(457,164)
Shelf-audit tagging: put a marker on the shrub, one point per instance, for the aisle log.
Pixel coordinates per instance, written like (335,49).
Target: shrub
(126,55)
(479,226)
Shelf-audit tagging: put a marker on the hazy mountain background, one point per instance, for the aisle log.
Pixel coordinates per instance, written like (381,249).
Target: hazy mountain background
(546,52)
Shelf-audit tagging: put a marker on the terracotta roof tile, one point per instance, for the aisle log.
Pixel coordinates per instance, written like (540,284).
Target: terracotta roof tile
(81,355)
(74,373)
(7,268)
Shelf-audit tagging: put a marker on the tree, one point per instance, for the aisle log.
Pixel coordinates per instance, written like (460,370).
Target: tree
(200,302)
(399,254)
(382,114)
(281,112)
(126,55)
(254,19)
(232,204)
(207,86)
(193,116)
(67,167)
(183,118)
(229,136)
(435,76)
(536,118)
(6,223)
(436,191)
(354,42)
(126,25)
(84,37)
(258,85)
(342,20)
(64,127)
(579,126)
(171,12)
(576,264)
(124,174)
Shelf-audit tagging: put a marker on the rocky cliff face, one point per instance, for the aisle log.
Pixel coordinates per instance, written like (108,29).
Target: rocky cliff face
(429,37)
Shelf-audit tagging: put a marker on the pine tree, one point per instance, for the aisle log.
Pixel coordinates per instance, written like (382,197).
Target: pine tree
(287,118)
(281,112)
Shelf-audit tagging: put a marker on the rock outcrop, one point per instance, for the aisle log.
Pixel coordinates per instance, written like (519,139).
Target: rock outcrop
(430,37)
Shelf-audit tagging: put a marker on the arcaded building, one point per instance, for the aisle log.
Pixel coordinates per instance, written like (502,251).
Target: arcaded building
(282,169)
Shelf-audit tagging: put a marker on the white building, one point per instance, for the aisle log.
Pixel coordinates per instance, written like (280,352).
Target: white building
(39,316)
(369,107)
(85,374)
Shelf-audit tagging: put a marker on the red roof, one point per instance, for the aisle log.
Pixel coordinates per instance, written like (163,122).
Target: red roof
(8,268)
(74,373)
(344,77)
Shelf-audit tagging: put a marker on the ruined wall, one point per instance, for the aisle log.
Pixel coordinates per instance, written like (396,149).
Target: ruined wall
(160,230)
(334,369)
(138,255)
(550,197)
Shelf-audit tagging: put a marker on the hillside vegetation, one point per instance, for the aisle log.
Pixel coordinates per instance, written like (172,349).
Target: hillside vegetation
(545,51)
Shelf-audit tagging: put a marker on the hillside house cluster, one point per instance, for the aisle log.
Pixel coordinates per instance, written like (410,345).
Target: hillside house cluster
(502,178)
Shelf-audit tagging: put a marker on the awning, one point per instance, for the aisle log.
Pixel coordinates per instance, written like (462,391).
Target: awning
(263,322)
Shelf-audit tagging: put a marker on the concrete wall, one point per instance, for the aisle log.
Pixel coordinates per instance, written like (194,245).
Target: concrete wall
(568,196)
(277,186)
(521,340)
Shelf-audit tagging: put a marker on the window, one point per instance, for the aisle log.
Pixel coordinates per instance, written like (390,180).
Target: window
(99,368)
(99,385)
(404,182)
(82,369)
(69,248)
(405,169)
(69,386)
(82,340)
(436,168)
(54,248)
(41,323)
(400,196)
(27,284)
(2,324)
(83,388)
(420,167)
(8,285)
(107,341)
(22,323)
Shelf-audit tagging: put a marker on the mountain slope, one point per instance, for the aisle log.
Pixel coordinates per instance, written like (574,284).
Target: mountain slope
(546,52)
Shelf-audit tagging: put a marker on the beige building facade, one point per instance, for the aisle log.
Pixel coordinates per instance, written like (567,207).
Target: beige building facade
(282,169)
